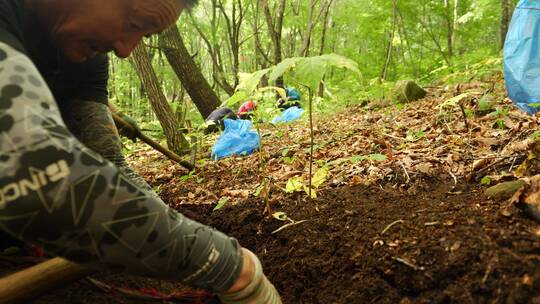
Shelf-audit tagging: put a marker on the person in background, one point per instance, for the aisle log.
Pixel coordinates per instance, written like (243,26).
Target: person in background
(292,99)
(246,109)
(214,121)
(62,181)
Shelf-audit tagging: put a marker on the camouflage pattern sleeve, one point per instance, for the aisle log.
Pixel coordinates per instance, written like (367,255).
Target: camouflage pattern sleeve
(57,193)
(92,124)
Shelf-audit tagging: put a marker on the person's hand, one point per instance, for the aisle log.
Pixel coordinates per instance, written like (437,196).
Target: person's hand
(131,130)
(258,291)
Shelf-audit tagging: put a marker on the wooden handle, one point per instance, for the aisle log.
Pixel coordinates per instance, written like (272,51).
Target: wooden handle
(27,284)
(171,155)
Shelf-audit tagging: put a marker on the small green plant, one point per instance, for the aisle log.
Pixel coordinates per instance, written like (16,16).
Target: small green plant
(222,202)
(298,184)
(413,136)
(485,103)
(486,181)
(307,72)
(371,157)
(186,177)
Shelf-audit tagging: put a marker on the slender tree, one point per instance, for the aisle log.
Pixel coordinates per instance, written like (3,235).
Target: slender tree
(275,29)
(188,72)
(158,101)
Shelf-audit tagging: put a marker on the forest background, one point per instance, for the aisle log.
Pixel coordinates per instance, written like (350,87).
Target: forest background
(177,78)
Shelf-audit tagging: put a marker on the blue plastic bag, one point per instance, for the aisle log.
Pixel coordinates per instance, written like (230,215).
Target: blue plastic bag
(293,94)
(522,57)
(237,139)
(291,114)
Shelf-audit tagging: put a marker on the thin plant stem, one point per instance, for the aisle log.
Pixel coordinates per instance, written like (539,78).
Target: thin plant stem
(312,140)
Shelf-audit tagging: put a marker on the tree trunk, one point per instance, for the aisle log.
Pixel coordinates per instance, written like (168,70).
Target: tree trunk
(234,30)
(323,39)
(390,47)
(506,6)
(214,45)
(275,30)
(188,72)
(304,50)
(450,28)
(158,101)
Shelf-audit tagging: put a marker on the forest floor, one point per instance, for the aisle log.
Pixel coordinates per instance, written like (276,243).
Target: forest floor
(400,214)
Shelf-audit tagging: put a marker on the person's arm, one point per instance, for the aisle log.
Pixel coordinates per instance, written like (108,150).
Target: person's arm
(57,193)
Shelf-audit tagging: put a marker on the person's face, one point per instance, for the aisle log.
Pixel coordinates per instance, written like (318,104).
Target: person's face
(100,26)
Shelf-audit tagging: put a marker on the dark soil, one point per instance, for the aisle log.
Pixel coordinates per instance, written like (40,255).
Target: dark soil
(449,248)
(442,248)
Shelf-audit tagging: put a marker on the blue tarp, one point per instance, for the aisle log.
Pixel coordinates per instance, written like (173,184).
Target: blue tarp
(522,57)
(291,114)
(237,139)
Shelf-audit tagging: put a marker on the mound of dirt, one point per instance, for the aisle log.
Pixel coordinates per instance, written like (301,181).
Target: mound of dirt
(373,245)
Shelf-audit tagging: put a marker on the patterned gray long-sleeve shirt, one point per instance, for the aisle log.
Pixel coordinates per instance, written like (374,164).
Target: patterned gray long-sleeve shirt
(59,194)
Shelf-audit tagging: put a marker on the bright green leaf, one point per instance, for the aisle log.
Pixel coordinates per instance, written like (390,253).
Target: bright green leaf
(283,67)
(339,61)
(249,82)
(320,177)
(294,184)
(236,98)
(222,202)
(310,72)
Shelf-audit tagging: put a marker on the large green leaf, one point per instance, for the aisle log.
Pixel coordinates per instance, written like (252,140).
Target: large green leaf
(250,81)
(283,67)
(339,61)
(236,98)
(310,71)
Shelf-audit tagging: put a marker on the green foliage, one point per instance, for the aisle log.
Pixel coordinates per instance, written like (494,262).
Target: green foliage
(371,157)
(486,181)
(222,202)
(298,184)
(307,72)
(413,135)
(359,30)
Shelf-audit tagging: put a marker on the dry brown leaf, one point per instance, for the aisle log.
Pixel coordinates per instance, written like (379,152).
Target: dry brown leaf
(425,168)
(486,141)
(480,164)
(517,147)
(235,193)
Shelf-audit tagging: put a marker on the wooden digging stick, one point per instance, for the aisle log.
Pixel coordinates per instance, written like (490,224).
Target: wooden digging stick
(27,284)
(171,155)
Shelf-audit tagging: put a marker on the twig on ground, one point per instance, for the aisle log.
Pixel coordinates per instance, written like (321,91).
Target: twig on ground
(499,162)
(394,137)
(464,117)
(408,263)
(405,170)
(488,271)
(513,163)
(454,177)
(292,223)
(391,225)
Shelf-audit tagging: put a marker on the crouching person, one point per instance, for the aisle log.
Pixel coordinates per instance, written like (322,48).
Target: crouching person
(214,121)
